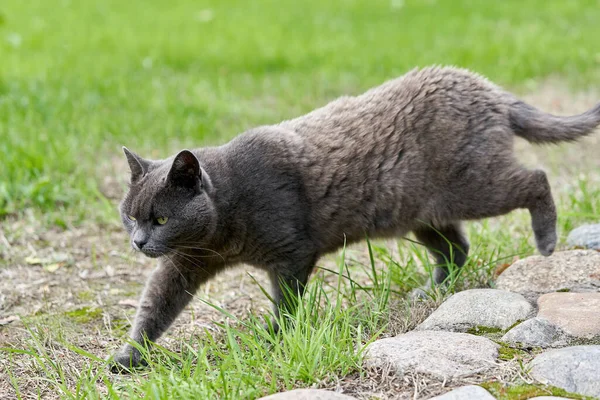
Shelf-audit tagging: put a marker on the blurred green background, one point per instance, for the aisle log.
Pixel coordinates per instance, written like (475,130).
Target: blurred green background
(79,79)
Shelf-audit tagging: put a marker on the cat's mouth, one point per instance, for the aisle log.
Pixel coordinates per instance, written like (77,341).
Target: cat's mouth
(153,253)
(152,250)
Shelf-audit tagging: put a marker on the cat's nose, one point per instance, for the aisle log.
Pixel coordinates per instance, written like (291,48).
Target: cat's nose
(140,243)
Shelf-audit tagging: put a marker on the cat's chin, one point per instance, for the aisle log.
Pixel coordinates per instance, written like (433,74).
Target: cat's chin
(153,253)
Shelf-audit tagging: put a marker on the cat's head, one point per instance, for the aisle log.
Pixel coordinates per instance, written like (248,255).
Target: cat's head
(168,208)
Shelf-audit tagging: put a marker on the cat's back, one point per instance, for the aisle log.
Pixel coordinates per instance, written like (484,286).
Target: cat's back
(421,113)
(420,94)
(370,153)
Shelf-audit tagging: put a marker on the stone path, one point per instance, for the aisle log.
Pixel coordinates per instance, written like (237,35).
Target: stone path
(548,306)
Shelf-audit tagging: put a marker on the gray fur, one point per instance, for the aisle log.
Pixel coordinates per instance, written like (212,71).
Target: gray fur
(419,153)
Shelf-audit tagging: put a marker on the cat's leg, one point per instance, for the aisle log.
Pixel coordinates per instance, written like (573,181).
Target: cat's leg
(169,289)
(516,187)
(447,244)
(288,281)
(532,191)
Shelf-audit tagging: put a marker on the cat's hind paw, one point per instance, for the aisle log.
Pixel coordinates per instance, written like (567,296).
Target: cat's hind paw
(546,244)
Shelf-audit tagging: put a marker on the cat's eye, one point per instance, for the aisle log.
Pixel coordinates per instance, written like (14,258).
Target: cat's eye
(131,218)
(162,220)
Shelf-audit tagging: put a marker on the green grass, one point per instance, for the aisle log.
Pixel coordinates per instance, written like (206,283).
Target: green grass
(78,79)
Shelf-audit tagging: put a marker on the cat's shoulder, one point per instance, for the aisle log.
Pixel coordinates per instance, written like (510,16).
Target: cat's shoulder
(266,136)
(272,142)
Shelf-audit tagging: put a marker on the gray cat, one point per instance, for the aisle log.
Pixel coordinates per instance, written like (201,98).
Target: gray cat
(417,154)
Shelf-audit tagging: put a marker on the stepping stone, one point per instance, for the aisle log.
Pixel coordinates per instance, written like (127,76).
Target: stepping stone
(574,270)
(587,236)
(440,354)
(537,332)
(479,307)
(578,314)
(308,394)
(575,369)
(471,392)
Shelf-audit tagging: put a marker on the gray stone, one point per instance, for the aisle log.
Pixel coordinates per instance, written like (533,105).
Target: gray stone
(575,270)
(308,394)
(440,354)
(471,392)
(536,332)
(575,369)
(587,236)
(479,307)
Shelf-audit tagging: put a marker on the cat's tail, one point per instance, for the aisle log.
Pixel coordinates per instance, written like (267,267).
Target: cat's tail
(536,126)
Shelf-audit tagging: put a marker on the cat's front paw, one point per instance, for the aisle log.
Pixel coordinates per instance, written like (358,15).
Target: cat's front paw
(127,359)
(419,294)
(426,292)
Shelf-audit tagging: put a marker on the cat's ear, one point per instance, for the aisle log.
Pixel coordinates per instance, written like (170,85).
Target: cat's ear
(186,171)
(137,165)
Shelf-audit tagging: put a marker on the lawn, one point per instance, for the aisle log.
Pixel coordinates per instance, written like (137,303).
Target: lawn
(80,79)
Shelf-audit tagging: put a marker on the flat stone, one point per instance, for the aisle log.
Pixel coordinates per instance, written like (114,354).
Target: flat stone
(308,394)
(537,332)
(587,236)
(440,354)
(471,392)
(575,270)
(479,307)
(578,314)
(575,369)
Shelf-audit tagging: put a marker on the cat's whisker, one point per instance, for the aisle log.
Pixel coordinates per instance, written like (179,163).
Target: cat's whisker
(175,266)
(174,250)
(201,249)
(189,259)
